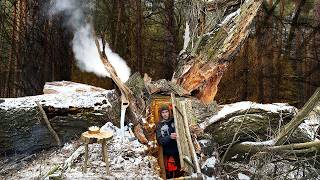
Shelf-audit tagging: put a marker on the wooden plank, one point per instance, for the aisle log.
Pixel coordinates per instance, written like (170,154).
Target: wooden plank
(193,121)
(161,163)
(182,140)
(189,111)
(186,126)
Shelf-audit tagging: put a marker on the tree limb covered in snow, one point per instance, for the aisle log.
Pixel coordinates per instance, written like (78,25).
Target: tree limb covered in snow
(259,121)
(267,146)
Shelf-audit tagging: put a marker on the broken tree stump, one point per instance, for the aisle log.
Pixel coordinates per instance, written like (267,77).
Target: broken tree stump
(200,72)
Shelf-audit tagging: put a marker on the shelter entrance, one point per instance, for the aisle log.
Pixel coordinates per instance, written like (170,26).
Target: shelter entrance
(179,109)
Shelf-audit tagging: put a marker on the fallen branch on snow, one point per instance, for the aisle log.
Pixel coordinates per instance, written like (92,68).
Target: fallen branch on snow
(67,163)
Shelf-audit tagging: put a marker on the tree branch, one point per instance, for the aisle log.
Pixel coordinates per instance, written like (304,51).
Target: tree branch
(299,118)
(52,132)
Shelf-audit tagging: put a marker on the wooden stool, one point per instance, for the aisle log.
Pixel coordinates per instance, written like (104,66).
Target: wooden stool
(102,137)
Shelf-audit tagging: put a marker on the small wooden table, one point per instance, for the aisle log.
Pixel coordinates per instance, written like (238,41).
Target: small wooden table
(102,137)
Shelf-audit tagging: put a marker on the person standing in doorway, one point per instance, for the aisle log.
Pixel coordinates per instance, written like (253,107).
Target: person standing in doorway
(167,138)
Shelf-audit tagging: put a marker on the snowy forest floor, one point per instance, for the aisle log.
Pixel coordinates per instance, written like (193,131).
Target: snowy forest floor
(127,161)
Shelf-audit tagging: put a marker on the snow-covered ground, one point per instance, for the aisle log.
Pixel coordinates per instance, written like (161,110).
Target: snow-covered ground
(311,124)
(128,160)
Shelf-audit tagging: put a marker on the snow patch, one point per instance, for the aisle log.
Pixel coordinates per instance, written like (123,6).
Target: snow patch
(210,178)
(67,87)
(262,143)
(210,163)
(229,17)
(243,177)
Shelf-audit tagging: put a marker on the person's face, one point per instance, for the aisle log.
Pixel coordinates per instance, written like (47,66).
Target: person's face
(165,114)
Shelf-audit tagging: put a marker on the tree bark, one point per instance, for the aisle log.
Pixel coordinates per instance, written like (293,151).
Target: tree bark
(11,54)
(118,26)
(138,37)
(170,49)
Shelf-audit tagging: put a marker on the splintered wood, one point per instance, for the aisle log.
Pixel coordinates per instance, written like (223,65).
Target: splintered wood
(184,141)
(202,73)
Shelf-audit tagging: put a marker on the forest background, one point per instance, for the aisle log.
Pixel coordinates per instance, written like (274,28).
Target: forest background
(278,63)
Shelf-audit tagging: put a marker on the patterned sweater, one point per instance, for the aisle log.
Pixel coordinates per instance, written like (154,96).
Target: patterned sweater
(164,129)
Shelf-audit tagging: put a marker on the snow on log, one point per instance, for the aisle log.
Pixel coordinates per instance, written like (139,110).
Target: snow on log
(230,110)
(67,87)
(255,121)
(71,108)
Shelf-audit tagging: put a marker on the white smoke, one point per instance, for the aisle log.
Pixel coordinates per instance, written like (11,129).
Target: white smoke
(83,43)
(121,67)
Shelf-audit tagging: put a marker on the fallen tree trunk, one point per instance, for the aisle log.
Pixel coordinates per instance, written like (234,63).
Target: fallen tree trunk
(255,121)
(69,113)
(296,148)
